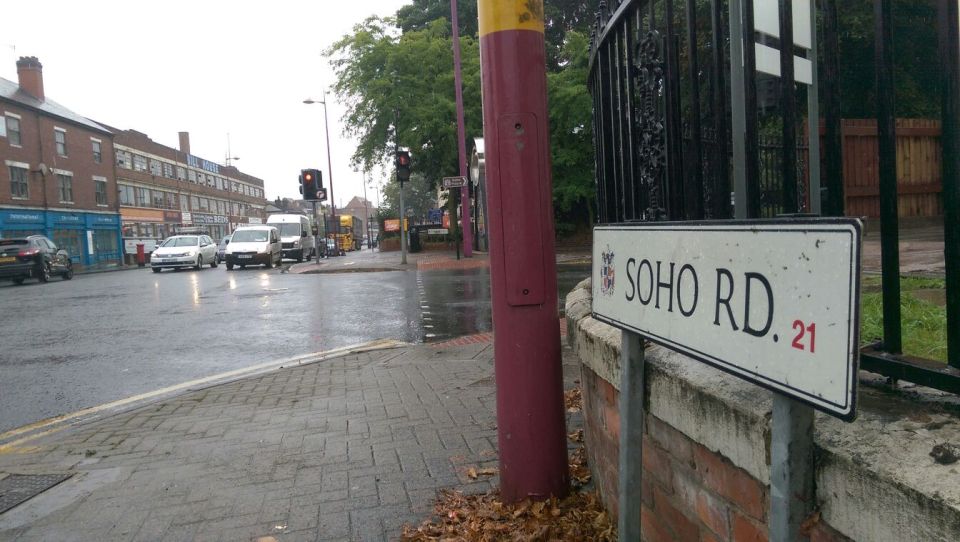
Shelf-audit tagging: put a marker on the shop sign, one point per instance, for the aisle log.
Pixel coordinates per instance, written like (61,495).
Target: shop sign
(209,219)
(186,218)
(171,216)
(141,215)
(67,219)
(255,220)
(103,219)
(24,217)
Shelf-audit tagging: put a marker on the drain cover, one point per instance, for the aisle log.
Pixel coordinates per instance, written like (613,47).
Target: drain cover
(17,488)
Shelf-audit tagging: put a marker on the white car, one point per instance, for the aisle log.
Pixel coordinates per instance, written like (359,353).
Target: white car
(184,251)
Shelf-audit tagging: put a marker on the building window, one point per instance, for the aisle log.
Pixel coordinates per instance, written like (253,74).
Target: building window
(97,154)
(13,129)
(158,199)
(172,201)
(204,204)
(192,175)
(143,197)
(65,184)
(182,173)
(168,170)
(184,204)
(126,195)
(139,163)
(195,203)
(124,160)
(60,137)
(155,167)
(19,188)
(100,189)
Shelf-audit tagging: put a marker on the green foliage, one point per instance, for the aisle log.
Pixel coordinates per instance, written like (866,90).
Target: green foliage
(399,90)
(419,14)
(924,324)
(417,195)
(404,65)
(571,134)
(916,70)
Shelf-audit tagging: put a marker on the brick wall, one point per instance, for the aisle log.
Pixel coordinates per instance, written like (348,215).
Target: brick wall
(689,492)
(706,440)
(38,145)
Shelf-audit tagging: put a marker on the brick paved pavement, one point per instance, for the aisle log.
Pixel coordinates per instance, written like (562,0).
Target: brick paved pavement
(343,449)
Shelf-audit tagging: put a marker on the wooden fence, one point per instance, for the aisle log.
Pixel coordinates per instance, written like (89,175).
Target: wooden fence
(918,168)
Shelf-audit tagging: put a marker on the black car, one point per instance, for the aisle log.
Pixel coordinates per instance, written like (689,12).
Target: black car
(33,257)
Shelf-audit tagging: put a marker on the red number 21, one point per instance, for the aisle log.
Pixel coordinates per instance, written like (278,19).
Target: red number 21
(811,329)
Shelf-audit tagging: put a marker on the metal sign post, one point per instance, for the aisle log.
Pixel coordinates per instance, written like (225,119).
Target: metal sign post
(772,302)
(632,365)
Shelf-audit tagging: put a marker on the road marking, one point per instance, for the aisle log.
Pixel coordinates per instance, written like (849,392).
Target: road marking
(49,426)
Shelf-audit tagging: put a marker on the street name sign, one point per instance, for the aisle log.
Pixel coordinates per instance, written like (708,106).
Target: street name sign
(438,231)
(454,182)
(773,302)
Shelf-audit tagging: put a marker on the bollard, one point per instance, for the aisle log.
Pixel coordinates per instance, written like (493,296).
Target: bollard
(141,256)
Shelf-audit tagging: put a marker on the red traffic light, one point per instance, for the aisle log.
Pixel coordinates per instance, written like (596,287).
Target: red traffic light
(308,178)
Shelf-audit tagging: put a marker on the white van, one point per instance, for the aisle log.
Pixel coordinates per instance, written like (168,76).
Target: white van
(253,245)
(296,238)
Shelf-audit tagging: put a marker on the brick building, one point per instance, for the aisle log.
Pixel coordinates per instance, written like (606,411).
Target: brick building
(165,190)
(57,177)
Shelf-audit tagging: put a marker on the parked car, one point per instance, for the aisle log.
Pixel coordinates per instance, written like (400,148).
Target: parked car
(222,248)
(254,245)
(34,256)
(182,251)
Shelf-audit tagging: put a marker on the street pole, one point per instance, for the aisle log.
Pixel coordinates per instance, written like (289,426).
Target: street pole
(333,202)
(403,218)
(403,233)
(366,208)
(461,137)
(523,273)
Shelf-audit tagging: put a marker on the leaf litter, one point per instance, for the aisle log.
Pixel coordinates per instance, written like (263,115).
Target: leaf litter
(486,518)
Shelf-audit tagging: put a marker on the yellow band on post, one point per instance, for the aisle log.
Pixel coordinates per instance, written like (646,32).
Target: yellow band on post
(498,15)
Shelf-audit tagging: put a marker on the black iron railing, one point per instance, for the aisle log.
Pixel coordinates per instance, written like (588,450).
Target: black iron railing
(660,80)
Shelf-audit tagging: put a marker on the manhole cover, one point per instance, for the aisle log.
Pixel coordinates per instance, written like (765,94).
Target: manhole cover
(17,488)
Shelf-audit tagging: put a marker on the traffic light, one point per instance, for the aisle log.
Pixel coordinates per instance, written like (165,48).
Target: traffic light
(403,166)
(310,182)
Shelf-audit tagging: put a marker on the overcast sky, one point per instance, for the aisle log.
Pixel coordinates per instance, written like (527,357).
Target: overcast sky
(205,67)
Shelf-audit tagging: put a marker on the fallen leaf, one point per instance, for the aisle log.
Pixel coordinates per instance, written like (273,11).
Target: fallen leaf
(472,473)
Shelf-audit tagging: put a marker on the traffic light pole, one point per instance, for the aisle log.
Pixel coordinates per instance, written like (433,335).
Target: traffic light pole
(461,138)
(523,273)
(403,233)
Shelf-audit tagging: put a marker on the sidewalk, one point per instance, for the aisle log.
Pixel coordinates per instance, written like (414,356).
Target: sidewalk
(349,448)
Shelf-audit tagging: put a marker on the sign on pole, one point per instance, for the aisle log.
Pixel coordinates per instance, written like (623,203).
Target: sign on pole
(454,182)
(772,302)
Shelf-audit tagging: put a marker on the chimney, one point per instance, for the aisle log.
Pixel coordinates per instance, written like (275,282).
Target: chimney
(185,142)
(30,74)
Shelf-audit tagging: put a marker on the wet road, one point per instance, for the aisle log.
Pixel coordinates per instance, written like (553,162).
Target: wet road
(66,346)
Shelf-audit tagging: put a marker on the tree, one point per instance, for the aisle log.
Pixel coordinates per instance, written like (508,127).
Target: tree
(916,71)
(399,90)
(571,135)
(419,14)
(418,196)
(405,65)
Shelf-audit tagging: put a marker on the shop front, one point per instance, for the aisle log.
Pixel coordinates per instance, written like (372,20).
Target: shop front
(143,223)
(92,239)
(103,240)
(21,223)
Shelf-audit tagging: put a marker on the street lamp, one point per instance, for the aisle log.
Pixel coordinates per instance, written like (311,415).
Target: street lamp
(333,204)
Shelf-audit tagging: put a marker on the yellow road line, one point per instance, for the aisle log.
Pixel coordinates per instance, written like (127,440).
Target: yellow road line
(63,421)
